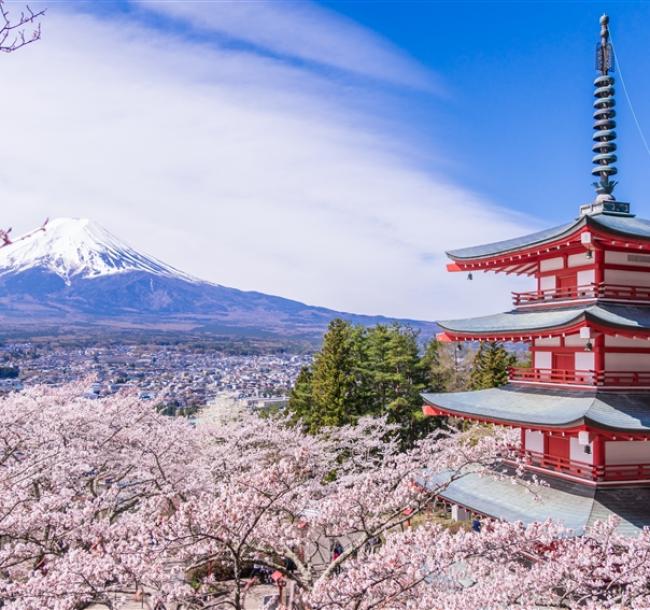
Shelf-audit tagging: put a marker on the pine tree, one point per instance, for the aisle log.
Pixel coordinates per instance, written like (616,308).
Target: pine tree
(404,361)
(490,366)
(436,375)
(337,378)
(377,347)
(445,367)
(377,371)
(300,398)
(398,375)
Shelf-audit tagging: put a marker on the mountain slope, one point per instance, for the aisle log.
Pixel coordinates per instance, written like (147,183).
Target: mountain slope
(76,273)
(78,248)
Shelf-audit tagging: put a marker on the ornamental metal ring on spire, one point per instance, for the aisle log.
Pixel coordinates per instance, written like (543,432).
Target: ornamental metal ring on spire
(604,123)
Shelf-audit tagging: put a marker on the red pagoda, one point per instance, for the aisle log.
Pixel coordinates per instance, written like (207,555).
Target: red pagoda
(583,406)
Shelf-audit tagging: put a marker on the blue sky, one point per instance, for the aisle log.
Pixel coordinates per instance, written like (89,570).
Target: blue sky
(519,81)
(328,152)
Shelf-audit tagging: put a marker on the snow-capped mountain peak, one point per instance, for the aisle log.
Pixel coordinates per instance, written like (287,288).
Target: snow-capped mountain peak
(77,247)
(72,275)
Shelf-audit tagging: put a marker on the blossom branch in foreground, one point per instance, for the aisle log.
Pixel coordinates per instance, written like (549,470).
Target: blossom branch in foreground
(21,31)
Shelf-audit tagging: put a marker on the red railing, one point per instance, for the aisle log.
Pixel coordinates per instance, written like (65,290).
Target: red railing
(588,291)
(553,376)
(554,294)
(609,472)
(627,293)
(559,464)
(623,472)
(623,378)
(590,378)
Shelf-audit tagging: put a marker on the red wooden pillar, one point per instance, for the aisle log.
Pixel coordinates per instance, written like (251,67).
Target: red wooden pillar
(598,445)
(599,354)
(599,266)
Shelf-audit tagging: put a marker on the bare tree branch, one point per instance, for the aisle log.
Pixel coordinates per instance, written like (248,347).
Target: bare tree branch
(16,32)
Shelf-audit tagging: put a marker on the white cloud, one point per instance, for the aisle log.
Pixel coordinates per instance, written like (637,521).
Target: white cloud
(237,168)
(301,31)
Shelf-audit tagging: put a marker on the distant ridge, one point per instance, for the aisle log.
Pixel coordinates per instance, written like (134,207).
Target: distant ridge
(76,273)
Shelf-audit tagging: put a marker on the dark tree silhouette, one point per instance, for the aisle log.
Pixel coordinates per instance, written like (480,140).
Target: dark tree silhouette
(16,32)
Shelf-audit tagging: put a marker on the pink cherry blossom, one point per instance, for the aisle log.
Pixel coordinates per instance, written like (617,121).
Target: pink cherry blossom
(104,497)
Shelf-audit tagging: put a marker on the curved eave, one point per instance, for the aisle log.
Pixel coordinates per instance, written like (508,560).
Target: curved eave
(454,331)
(607,318)
(514,255)
(510,405)
(436,411)
(622,226)
(558,500)
(517,244)
(581,423)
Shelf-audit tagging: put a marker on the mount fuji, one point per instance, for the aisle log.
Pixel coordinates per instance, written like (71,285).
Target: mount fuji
(73,273)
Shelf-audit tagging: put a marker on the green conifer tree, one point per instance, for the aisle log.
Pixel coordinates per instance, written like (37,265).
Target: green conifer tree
(446,368)
(300,398)
(436,374)
(377,371)
(398,376)
(490,366)
(337,379)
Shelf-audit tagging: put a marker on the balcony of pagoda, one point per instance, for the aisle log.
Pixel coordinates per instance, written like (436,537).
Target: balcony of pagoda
(639,380)
(607,473)
(592,291)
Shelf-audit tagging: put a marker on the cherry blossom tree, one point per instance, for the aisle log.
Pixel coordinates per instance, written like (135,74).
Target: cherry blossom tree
(505,566)
(20,31)
(77,481)
(107,497)
(279,498)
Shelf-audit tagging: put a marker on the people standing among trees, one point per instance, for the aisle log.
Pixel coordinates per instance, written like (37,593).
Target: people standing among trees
(337,551)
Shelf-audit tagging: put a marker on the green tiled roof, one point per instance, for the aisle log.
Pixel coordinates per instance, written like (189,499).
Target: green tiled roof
(523,405)
(516,321)
(622,225)
(514,244)
(576,506)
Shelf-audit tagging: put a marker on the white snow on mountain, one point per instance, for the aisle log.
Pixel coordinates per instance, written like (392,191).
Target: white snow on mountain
(78,248)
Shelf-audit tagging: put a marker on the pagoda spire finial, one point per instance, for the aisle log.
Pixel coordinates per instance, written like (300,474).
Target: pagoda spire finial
(604,135)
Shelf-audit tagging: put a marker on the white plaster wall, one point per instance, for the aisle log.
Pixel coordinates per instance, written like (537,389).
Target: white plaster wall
(611,341)
(575,341)
(459,513)
(551,264)
(577,451)
(543,360)
(627,452)
(586,277)
(579,260)
(627,258)
(627,362)
(547,282)
(627,278)
(547,341)
(585,361)
(534,441)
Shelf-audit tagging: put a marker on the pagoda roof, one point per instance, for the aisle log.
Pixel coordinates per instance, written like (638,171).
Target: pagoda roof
(629,412)
(628,226)
(575,505)
(629,317)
